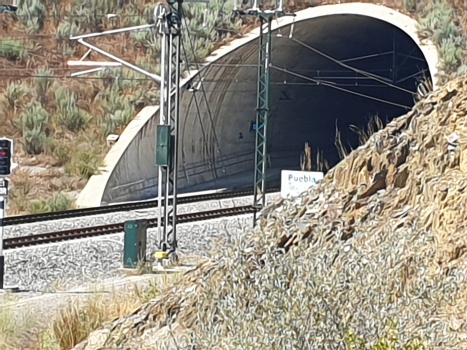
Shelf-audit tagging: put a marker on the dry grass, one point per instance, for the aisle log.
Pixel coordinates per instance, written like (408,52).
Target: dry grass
(81,316)
(14,328)
(75,322)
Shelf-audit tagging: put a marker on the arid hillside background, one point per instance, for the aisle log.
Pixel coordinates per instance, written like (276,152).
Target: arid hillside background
(60,124)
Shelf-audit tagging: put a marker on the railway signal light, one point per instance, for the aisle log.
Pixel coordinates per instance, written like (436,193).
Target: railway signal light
(6,167)
(6,157)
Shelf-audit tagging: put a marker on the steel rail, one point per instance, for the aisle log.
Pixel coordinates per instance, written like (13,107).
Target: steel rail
(74,213)
(87,232)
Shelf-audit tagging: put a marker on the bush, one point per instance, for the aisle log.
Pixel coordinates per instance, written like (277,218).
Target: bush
(118,110)
(437,21)
(84,163)
(19,193)
(33,122)
(15,96)
(68,114)
(13,50)
(35,141)
(450,52)
(62,154)
(32,14)
(33,116)
(57,202)
(42,82)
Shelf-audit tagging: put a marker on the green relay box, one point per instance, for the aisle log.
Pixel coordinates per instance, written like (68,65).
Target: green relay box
(163,145)
(134,248)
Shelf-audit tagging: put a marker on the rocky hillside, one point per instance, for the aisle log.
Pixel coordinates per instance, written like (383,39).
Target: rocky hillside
(372,257)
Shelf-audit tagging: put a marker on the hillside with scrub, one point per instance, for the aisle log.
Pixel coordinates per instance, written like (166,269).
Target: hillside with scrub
(60,124)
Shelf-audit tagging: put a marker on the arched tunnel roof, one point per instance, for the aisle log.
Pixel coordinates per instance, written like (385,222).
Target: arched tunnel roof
(217,119)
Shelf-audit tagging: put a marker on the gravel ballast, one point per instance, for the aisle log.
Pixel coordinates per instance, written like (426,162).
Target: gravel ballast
(67,265)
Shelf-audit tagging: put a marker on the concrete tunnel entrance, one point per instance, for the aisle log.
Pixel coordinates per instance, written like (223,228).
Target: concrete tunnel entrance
(336,71)
(335,45)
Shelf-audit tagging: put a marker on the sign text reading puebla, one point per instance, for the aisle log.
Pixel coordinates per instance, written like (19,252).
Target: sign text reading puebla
(294,183)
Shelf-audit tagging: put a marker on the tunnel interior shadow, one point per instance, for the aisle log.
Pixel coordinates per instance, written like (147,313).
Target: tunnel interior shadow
(335,74)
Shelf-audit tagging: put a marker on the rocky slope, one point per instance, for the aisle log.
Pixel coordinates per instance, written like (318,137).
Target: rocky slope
(375,252)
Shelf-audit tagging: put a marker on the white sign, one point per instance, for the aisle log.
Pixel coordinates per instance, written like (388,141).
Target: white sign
(293,183)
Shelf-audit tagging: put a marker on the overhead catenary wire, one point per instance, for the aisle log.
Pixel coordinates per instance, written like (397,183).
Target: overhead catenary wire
(61,77)
(198,112)
(350,67)
(339,88)
(203,90)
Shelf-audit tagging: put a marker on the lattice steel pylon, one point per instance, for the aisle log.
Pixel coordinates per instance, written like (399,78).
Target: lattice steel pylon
(169,25)
(263,93)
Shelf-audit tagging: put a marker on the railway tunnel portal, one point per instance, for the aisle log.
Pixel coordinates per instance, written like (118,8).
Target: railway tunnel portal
(335,66)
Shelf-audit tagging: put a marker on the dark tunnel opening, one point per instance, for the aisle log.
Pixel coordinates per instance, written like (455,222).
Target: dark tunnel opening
(334,72)
(313,95)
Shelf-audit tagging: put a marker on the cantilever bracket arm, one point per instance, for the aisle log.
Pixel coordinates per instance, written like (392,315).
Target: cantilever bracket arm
(114,31)
(153,76)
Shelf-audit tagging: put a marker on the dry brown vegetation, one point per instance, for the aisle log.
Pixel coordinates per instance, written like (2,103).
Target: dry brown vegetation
(373,257)
(80,316)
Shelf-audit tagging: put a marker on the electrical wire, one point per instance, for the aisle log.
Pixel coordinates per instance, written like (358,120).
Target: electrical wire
(339,88)
(61,77)
(195,99)
(351,68)
(67,35)
(201,78)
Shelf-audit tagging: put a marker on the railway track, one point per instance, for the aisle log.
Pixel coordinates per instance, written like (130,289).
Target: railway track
(87,232)
(74,213)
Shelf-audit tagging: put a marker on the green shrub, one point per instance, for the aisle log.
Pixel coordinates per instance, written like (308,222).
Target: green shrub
(437,21)
(19,193)
(450,52)
(58,202)
(13,50)
(33,122)
(67,28)
(84,163)
(118,110)
(42,82)
(48,341)
(35,141)
(32,14)
(68,114)
(388,341)
(33,116)
(62,154)
(15,96)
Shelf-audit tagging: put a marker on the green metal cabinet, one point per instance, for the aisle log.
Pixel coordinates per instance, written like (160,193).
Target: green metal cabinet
(163,145)
(134,248)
